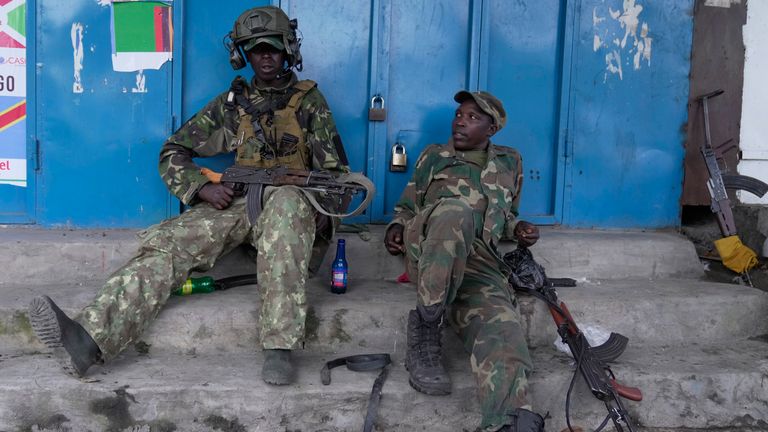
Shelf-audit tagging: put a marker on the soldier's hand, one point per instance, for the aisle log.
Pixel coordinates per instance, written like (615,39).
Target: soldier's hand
(393,239)
(526,233)
(218,195)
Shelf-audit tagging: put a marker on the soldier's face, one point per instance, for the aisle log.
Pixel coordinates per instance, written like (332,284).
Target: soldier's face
(267,61)
(471,127)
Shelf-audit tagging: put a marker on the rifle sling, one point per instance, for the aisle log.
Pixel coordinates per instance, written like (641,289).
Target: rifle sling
(361,363)
(255,197)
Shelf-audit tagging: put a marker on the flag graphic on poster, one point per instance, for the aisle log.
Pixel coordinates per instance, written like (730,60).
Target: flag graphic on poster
(13,92)
(142,35)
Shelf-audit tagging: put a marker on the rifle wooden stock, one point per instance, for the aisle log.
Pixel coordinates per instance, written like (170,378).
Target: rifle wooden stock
(631,393)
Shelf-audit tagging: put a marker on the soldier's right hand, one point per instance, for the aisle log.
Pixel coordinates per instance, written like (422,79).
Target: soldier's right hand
(393,239)
(218,195)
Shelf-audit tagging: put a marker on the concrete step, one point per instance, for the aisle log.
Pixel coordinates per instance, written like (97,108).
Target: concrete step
(373,313)
(38,256)
(686,387)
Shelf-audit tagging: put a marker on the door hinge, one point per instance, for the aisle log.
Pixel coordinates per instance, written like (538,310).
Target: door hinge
(36,155)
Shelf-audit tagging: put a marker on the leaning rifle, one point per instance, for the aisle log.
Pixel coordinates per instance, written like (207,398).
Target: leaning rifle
(591,362)
(251,182)
(717,183)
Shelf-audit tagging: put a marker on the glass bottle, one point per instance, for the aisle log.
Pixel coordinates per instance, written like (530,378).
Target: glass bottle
(339,269)
(199,285)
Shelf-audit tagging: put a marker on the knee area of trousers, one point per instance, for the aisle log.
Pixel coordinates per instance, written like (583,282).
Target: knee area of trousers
(287,200)
(453,212)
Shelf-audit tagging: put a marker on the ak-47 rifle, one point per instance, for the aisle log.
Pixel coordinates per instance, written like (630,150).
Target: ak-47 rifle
(718,182)
(250,181)
(592,362)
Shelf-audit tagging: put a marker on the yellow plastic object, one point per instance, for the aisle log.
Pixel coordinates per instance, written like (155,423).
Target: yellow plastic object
(213,176)
(736,256)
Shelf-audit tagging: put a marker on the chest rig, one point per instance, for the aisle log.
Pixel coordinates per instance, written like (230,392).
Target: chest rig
(269,133)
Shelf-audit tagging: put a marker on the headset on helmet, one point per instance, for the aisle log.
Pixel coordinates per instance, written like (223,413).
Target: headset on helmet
(259,22)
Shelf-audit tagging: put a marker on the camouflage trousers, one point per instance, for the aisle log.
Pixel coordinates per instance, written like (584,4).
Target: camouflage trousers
(455,267)
(283,235)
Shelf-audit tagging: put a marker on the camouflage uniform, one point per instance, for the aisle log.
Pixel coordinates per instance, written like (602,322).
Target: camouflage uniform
(455,210)
(284,233)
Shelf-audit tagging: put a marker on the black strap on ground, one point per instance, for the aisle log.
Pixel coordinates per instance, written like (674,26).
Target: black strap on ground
(235,281)
(363,363)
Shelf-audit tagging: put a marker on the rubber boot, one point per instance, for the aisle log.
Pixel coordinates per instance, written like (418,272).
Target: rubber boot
(72,346)
(277,368)
(525,421)
(424,359)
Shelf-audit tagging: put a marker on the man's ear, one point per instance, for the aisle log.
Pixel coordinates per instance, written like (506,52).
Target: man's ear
(492,129)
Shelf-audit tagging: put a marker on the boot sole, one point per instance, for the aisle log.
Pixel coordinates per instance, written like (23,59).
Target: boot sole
(276,381)
(44,323)
(436,390)
(429,390)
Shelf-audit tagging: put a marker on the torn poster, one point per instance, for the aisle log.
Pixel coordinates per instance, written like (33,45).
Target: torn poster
(13,92)
(142,35)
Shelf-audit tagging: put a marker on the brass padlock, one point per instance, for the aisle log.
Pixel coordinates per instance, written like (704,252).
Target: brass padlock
(399,160)
(377,113)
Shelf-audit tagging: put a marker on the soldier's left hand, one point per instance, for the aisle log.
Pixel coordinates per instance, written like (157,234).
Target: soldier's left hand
(526,233)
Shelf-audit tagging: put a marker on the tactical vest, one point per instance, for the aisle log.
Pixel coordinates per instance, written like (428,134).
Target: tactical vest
(276,139)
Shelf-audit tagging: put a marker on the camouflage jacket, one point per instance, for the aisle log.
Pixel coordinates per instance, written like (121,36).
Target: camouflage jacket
(440,173)
(212,131)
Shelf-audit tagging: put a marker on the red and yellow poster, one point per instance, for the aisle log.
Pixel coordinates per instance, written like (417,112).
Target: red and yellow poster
(13,92)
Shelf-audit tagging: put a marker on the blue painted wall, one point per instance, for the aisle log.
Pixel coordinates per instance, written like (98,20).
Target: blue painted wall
(614,140)
(626,131)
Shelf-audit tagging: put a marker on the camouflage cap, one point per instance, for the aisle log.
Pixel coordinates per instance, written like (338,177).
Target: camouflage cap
(276,41)
(487,102)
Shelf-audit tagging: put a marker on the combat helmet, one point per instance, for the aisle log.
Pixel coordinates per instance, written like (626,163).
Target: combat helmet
(264,22)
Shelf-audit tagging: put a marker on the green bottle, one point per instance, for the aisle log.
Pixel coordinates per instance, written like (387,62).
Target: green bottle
(201,285)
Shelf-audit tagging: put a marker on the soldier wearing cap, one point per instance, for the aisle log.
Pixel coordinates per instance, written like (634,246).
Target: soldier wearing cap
(273,120)
(463,198)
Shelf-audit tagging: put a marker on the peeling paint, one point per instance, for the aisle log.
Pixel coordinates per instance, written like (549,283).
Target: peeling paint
(622,31)
(613,63)
(141,83)
(77,45)
(596,19)
(643,47)
(104,2)
(721,3)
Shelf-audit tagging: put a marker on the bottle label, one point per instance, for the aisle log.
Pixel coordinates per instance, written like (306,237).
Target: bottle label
(339,279)
(186,289)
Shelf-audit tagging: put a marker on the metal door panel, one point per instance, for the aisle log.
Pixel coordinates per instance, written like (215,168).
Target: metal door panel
(427,56)
(99,146)
(336,51)
(629,108)
(521,63)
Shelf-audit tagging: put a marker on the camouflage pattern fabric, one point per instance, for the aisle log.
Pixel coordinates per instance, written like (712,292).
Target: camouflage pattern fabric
(284,234)
(454,213)
(134,295)
(212,131)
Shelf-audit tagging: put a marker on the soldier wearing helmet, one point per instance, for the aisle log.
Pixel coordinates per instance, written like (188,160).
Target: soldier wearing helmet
(274,119)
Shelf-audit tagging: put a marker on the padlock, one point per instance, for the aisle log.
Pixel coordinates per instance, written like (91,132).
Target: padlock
(399,160)
(377,113)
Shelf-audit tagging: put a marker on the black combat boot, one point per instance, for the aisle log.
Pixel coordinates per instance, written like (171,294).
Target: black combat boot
(525,421)
(424,359)
(277,368)
(72,346)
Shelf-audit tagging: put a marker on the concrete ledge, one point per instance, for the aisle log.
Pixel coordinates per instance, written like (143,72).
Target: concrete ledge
(37,256)
(372,314)
(684,387)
